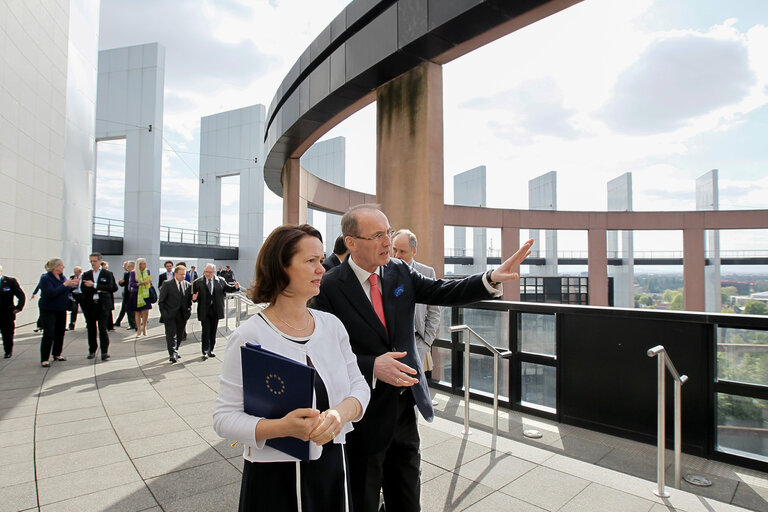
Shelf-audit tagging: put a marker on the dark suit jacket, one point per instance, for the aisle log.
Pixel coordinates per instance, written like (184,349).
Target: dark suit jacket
(401,287)
(162,278)
(220,287)
(9,288)
(171,301)
(105,287)
(331,261)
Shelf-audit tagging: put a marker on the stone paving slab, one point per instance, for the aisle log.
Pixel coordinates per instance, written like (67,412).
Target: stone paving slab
(135,434)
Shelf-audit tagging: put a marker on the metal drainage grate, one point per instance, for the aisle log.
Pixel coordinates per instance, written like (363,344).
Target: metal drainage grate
(698,480)
(532,434)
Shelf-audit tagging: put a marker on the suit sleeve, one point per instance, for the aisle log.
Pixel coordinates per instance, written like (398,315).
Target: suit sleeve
(432,320)
(19,293)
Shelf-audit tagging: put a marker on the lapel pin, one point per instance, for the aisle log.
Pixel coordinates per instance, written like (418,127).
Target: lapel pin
(399,290)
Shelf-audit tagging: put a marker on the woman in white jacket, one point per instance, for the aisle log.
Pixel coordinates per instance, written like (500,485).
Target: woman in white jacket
(288,272)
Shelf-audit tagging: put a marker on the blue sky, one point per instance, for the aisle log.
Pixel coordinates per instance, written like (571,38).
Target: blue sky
(665,89)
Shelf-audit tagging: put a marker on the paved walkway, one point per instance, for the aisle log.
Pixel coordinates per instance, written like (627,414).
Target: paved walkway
(134,434)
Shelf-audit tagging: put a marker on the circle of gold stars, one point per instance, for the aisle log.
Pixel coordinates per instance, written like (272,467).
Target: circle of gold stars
(275,384)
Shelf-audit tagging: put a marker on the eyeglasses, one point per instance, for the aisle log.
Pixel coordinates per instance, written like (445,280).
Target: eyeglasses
(377,237)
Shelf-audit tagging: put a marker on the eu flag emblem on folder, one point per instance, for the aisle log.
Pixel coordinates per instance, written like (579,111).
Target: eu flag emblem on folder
(273,386)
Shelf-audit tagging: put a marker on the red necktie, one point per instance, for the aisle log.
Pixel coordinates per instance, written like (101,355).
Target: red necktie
(378,304)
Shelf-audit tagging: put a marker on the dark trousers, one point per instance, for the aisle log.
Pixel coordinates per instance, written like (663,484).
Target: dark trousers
(54,325)
(174,327)
(7,327)
(394,469)
(210,324)
(125,313)
(96,319)
(73,314)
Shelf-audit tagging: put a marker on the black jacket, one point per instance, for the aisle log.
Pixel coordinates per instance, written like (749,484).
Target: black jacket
(204,300)
(105,287)
(10,289)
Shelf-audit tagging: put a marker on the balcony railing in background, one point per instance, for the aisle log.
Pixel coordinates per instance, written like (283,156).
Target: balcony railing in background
(587,366)
(115,228)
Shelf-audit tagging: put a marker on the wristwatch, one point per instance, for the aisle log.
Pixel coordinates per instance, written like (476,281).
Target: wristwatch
(491,281)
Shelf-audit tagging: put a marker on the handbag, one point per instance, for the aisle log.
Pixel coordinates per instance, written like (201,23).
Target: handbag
(152,295)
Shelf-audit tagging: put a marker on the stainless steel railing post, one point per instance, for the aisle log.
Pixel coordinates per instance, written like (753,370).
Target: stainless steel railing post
(661,429)
(664,363)
(495,393)
(466,430)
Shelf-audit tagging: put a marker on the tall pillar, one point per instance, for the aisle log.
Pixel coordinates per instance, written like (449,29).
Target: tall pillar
(510,243)
(469,189)
(620,200)
(693,269)
(130,106)
(542,195)
(294,202)
(597,267)
(708,198)
(231,144)
(409,157)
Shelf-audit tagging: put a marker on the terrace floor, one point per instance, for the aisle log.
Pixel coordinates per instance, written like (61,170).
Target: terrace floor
(134,434)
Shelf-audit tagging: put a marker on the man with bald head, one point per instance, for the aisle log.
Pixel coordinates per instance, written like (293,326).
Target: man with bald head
(208,291)
(375,298)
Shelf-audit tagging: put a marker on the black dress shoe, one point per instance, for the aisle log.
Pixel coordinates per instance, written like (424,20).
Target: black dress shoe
(104,357)
(211,354)
(71,327)
(91,355)
(172,359)
(60,358)
(205,356)
(176,355)
(7,355)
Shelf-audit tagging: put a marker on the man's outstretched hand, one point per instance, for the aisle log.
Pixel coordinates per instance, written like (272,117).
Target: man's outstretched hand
(509,269)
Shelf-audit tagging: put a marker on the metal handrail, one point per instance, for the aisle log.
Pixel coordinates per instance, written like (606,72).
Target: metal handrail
(240,298)
(665,363)
(496,355)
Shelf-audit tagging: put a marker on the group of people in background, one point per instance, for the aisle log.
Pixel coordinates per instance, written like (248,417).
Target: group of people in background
(92,293)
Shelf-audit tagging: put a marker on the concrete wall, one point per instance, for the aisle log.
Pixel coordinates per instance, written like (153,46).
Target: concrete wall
(48,55)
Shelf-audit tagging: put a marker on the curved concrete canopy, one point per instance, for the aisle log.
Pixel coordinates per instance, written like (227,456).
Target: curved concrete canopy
(368,44)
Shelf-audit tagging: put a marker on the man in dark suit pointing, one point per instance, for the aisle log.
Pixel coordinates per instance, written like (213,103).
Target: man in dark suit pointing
(209,291)
(375,299)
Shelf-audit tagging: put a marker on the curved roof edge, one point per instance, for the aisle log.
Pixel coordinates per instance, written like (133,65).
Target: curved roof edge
(369,43)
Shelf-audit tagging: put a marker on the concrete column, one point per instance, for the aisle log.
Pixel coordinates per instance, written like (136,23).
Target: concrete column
(708,198)
(620,200)
(542,195)
(129,105)
(693,269)
(510,243)
(294,203)
(409,157)
(597,267)
(231,144)
(469,189)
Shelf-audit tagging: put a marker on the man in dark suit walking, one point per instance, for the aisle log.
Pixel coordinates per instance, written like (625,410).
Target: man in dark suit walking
(9,289)
(175,304)
(208,291)
(374,297)
(98,287)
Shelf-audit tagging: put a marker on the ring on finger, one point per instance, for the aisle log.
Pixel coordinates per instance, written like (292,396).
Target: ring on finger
(333,435)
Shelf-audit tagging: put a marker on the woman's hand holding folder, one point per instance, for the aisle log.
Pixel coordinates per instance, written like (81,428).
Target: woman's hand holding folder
(298,423)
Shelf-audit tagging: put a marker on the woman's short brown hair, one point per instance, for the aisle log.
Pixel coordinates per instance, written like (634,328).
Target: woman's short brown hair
(270,277)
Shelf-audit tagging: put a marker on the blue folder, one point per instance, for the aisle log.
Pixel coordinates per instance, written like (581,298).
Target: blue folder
(273,386)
